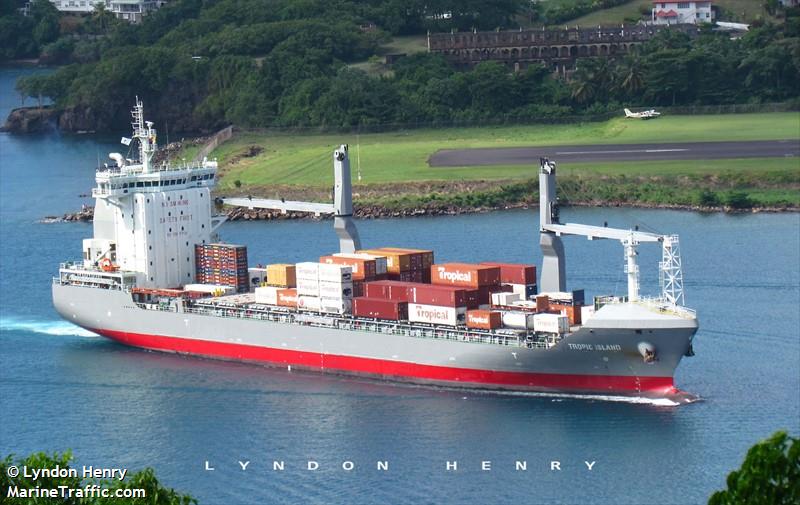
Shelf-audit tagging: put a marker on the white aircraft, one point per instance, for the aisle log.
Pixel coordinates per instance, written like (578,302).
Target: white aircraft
(645,114)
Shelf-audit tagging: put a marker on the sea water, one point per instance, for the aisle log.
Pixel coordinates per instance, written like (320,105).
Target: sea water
(63,388)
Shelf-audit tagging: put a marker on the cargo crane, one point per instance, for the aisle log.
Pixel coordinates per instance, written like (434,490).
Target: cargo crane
(341,209)
(550,231)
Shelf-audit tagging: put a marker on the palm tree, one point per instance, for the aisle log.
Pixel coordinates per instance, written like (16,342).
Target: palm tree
(631,76)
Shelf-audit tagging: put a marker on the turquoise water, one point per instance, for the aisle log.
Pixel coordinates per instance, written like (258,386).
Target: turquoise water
(62,388)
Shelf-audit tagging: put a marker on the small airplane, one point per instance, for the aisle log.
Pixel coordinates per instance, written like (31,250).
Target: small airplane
(645,114)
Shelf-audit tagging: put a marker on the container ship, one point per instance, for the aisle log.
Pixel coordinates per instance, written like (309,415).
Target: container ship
(155,275)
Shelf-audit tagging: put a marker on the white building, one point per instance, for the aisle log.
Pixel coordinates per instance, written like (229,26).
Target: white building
(129,10)
(132,10)
(675,13)
(77,6)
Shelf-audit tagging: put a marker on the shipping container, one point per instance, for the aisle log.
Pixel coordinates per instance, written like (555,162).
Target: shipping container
(484,319)
(307,287)
(362,268)
(257,276)
(336,305)
(282,275)
(434,314)
(390,290)
(567,297)
(380,308)
(514,273)
(334,272)
(502,299)
(573,312)
(542,303)
(518,319)
(336,290)
(550,323)
(287,297)
(525,291)
(307,270)
(442,296)
(425,254)
(358,288)
(409,276)
(396,261)
(380,261)
(465,274)
(308,302)
(267,295)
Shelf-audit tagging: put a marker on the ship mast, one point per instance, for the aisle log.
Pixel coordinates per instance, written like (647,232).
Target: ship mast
(550,232)
(144,132)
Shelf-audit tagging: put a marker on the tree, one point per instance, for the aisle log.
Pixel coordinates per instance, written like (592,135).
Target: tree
(155,492)
(770,475)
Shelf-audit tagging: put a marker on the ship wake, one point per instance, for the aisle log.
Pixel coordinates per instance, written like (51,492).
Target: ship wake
(59,328)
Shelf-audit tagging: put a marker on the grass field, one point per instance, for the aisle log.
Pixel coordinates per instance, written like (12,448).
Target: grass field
(743,11)
(402,156)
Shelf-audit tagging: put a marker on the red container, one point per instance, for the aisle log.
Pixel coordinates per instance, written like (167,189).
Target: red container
(380,308)
(465,275)
(287,297)
(442,296)
(514,273)
(484,319)
(407,276)
(388,290)
(358,288)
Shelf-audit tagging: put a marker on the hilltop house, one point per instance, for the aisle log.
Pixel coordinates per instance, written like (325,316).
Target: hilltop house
(674,13)
(129,10)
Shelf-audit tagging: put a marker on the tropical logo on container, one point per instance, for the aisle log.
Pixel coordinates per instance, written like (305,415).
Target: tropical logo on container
(479,319)
(454,276)
(428,313)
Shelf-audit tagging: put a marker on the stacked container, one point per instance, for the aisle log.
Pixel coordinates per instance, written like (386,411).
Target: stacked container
(257,276)
(224,264)
(324,287)
(366,268)
(380,308)
(407,265)
(521,278)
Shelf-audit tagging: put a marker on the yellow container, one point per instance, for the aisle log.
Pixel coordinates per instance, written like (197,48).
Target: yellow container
(281,275)
(396,261)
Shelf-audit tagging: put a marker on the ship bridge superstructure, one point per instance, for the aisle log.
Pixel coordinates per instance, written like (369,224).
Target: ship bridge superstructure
(149,216)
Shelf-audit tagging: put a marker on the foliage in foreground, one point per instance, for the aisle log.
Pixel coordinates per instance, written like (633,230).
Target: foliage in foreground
(156,493)
(770,475)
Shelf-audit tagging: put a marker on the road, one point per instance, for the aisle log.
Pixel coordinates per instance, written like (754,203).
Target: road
(616,152)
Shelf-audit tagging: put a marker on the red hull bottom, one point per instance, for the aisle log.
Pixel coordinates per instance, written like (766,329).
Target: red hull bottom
(656,387)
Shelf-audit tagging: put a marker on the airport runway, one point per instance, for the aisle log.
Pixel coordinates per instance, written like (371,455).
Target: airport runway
(615,152)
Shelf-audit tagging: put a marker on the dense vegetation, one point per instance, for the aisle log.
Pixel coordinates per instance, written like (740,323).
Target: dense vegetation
(257,63)
(156,493)
(770,475)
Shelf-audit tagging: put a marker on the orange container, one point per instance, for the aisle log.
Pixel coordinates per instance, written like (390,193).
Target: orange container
(287,297)
(542,303)
(465,274)
(396,261)
(573,312)
(363,269)
(484,319)
(420,258)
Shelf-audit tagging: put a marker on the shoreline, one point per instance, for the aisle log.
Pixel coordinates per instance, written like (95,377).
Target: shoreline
(86,214)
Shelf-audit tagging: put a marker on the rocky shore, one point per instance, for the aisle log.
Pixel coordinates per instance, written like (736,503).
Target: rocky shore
(86,214)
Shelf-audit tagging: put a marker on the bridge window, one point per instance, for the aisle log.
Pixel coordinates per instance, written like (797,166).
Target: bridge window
(683,5)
